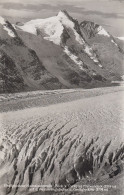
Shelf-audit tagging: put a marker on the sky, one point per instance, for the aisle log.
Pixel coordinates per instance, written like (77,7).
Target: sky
(108,13)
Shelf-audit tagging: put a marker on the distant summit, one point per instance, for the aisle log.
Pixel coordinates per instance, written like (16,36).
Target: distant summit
(92,29)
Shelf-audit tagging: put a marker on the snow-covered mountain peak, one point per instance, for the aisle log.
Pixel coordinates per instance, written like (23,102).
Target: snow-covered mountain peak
(93,29)
(65,20)
(64,14)
(52,27)
(2,20)
(57,52)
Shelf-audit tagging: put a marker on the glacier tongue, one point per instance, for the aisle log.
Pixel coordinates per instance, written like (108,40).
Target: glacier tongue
(57,143)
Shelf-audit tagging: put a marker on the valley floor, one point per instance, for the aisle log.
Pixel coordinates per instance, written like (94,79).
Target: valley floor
(62,137)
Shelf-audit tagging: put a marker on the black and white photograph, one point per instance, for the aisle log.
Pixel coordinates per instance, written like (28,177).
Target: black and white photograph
(61,97)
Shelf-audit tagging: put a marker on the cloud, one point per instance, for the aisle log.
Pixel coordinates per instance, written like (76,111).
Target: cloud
(27,6)
(31,8)
(50,2)
(16,13)
(70,8)
(118,0)
(105,15)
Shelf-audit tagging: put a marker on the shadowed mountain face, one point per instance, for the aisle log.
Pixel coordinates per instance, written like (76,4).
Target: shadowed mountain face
(57,52)
(21,68)
(109,49)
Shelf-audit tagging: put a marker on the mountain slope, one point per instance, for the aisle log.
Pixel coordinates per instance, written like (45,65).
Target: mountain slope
(107,48)
(59,29)
(16,55)
(58,52)
(88,55)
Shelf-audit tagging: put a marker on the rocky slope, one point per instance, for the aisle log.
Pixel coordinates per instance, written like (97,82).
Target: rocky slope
(21,68)
(108,48)
(57,52)
(80,142)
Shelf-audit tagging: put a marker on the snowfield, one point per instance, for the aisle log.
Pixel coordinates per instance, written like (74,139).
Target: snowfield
(64,143)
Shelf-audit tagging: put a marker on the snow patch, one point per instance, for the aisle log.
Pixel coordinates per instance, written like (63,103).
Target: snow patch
(10,32)
(95,60)
(94,74)
(114,42)
(121,38)
(88,51)
(74,58)
(102,31)
(78,38)
(92,56)
(13,25)
(28,27)
(100,66)
(2,20)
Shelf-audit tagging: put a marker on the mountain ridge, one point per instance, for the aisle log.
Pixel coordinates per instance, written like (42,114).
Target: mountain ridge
(61,47)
